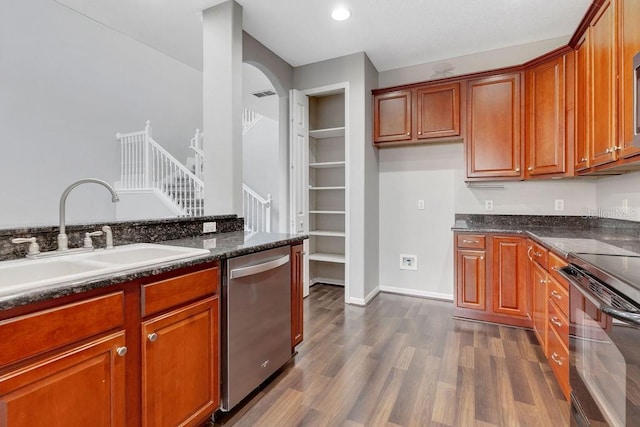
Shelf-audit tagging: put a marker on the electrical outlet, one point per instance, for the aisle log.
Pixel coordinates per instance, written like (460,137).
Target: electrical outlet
(420,204)
(209,244)
(488,205)
(408,262)
(209,227)
(559,205)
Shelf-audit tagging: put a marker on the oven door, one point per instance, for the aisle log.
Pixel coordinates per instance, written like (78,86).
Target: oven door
(604,371)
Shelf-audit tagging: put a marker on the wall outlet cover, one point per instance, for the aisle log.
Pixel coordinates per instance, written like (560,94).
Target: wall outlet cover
(559,205)
(488,205)
(408,262)
(420,204)
(209,227)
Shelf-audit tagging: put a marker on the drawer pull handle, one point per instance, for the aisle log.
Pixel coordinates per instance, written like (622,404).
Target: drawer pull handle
(121,351)
(538,254)
(556,359)
(555,321)
(556,295)
(542,281)
(529,253)
(152,337)
(554,268)
(470,241)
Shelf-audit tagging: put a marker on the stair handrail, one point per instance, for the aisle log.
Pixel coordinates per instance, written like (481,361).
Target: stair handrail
(249,119)
(197,145)
(256,210)
(145,164)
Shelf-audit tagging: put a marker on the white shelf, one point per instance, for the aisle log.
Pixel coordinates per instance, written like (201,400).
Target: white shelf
(335,258)
(327,233)
(327,188)
(326,133)
(326,165)
(328,212)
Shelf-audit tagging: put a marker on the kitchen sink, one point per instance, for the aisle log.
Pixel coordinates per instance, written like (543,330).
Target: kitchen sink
(26,274)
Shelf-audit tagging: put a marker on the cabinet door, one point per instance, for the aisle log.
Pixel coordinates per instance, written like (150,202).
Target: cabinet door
(180,368)
(582,131)
(392,116)
(539,303)
(297,317)
(603,78)
(438,111)
(81,387)
(494,137)
(470,279)
(628,46)
(545,112)
(510,294)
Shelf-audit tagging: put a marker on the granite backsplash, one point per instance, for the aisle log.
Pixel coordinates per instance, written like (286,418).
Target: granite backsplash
(124,232)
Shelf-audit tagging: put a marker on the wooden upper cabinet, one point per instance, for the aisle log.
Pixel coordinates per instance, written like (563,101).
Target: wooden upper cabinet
(628,46)
(392,116)
(545,118)
(438,112)
(510,295)
(494,136)
(582,71)
(603,101)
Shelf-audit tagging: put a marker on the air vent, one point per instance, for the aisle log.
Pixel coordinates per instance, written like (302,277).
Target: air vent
(263,93)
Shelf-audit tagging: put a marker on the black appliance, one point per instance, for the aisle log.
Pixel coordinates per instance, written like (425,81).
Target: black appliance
(604,339)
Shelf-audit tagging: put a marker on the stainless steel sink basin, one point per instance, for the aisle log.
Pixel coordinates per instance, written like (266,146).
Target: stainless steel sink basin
(25,274)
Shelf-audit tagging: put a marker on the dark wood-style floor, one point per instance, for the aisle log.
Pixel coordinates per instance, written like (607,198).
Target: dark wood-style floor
(405,361)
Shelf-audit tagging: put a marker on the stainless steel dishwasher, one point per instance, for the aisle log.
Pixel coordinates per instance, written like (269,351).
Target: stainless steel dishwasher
(256,321)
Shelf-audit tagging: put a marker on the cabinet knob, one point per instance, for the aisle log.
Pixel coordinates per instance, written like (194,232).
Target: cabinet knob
(152,337)
(556,359)
(530,168)
(517,169)
(419,133)
(408,134)
(583,160)
(121,351)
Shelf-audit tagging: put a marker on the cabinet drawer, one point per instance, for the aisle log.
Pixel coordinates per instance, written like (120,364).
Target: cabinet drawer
(555,264)
(558,322)
(559,295)
(559,361)
(472,241)
(162,295)
(36,333)
(539,254)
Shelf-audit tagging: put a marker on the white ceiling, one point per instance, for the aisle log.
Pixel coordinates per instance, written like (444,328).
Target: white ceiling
(393,33)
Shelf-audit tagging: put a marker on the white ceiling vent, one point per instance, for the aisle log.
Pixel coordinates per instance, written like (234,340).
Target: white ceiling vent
(263,93)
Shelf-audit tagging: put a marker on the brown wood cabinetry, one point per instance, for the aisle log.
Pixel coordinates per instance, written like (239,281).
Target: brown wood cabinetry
(547,109)
(494,134)
(539,303)
(180,365)
(297,309)
(510,294)
(581,143)
(491,278)
(629,45)
(416,114)
(602,86)
(392,116)
(72,372)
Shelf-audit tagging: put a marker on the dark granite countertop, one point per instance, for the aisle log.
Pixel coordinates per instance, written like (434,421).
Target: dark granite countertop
(221,246)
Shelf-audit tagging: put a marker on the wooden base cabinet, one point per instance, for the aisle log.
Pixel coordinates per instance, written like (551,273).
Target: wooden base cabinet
(83,386)
(297,306)
(491,278)
(180,385)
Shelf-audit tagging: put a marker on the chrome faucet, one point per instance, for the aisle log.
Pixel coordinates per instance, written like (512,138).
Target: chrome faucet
(63,242)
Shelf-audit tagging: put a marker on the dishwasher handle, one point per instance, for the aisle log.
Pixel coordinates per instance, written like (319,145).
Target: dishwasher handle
(258,268)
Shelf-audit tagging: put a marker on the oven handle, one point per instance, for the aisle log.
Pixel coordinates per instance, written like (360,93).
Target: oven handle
(621,315)
(258,268)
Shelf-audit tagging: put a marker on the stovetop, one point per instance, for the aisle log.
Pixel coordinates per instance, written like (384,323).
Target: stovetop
(587,246)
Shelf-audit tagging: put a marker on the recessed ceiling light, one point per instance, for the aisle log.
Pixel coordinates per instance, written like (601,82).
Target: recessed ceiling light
(340,14)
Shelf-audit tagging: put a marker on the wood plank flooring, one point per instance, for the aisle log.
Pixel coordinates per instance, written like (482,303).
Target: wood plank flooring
(404,361)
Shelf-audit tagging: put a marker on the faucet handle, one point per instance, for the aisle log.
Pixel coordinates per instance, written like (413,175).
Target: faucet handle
(88,243)
(109,237)
(34,248)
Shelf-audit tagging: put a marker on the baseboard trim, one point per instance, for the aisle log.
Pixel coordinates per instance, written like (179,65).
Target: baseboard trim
(416,293)
(363,302)
(326,281)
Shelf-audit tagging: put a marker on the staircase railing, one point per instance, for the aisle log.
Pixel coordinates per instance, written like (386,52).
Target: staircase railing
(197,146)
(256,210)
(249,118)
(146,165)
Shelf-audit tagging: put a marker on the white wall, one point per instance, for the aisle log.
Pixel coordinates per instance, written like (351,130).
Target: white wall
(611,193)
(68,85)
(261,162)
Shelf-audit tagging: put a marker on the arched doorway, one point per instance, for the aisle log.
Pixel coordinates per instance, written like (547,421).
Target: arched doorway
(261,157)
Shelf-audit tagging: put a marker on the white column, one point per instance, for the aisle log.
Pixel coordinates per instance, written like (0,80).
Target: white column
(222,108)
